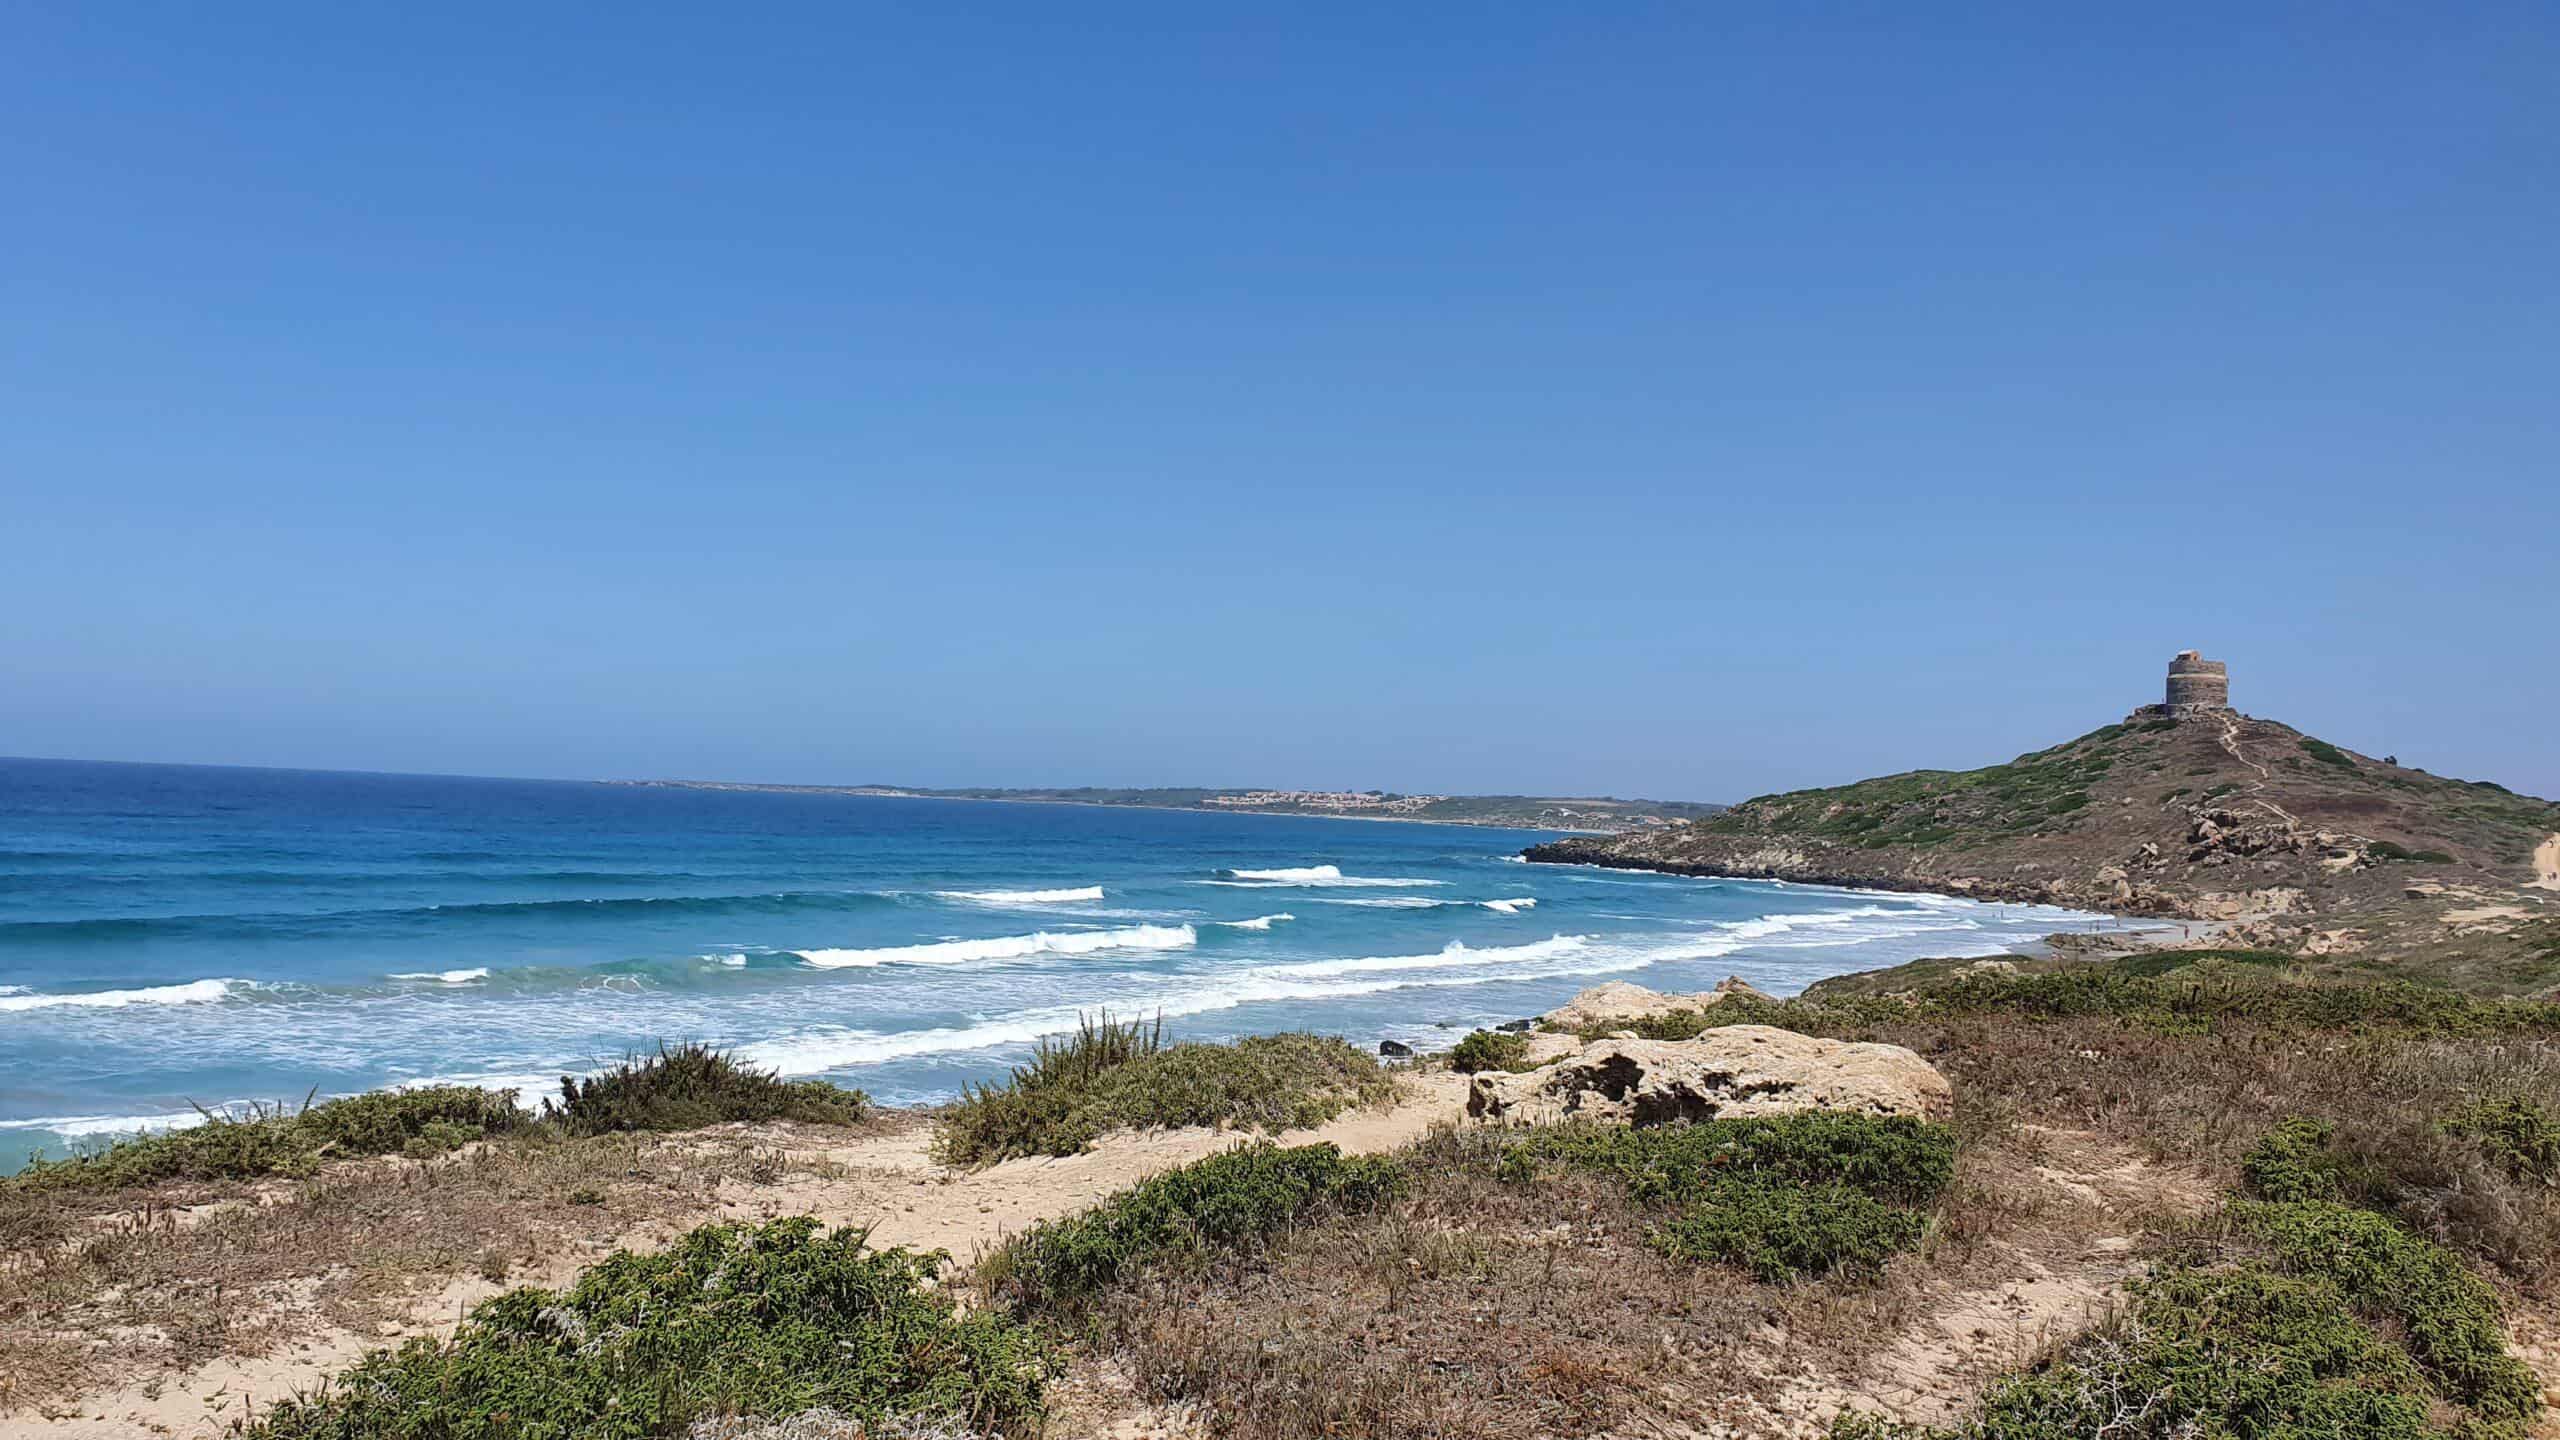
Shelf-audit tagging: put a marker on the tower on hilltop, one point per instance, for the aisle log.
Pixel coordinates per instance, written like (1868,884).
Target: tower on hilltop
(2197,686)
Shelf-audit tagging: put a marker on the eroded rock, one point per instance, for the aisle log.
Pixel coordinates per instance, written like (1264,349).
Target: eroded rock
(1733,1072)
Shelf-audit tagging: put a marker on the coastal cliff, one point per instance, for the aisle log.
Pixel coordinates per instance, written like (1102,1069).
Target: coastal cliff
(2201,814)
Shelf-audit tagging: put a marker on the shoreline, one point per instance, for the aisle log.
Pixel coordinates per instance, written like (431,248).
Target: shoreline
(855,793)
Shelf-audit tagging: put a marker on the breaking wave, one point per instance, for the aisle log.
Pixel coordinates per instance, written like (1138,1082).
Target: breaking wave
(1009,947)
(193,992)
(1022,897)
(1327,876)
(445,977)
(1258,922)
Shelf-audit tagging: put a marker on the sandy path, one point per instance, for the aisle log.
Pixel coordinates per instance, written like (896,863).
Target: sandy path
(889,1182)
(2546,864)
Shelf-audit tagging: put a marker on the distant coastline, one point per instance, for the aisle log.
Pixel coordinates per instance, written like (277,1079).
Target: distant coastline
(1582,815)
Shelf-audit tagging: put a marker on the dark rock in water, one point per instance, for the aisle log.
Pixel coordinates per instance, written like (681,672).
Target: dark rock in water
(1395,1050)
(1518,1027)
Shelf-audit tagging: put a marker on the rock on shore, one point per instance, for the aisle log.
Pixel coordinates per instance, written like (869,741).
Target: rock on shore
(1734,1072)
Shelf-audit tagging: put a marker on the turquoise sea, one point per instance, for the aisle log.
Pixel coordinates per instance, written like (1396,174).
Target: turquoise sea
(181,936)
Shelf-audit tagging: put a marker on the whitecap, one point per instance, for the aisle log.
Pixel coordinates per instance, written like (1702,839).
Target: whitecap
(445,977)
(1009,947)
(1022,897)
(1258,922)
(193,992)
(1326,876)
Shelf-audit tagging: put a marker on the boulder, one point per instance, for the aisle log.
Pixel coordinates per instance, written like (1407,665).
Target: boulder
(1734,1072)
(1616,999)
(1395,1050)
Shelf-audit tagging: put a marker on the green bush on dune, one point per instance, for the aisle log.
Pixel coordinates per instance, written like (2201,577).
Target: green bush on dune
(685,1087)
(679,1088)
(1490,1050)
(733,1320)
(1787,1198)
(1226,1201)
(278,1141)
(2311,1317)
(1113,1075)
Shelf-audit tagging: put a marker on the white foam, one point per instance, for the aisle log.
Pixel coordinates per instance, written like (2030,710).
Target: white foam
(1009,947)
(839,1047)
(1325,876)
(193,992)
(446,977)
(1450,956)
(73,1127)
(1258,922)
(1394,902)
(1023,897)
(735,960)
(1511,907)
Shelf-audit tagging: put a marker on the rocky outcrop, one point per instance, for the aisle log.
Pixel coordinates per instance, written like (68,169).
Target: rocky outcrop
(1618,1000)
(1735,1072)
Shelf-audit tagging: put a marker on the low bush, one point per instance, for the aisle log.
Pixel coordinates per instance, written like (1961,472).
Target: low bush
(286,1142)
(770,1320)
(2151,990)
(1228,1200)
(685,1087)
(2517,1135)
(1787,1197)
(1490,1050)
(1120,1075)
(2320,1319)
(680,1088)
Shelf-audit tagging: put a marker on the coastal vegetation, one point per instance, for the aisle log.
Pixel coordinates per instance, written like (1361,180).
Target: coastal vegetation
(1121,1075)
(2328,1201)
(689,1086)
(1490,1050)
(776,1319)
(681,1087)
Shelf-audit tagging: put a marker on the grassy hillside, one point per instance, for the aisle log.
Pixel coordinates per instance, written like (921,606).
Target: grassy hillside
(2317,847)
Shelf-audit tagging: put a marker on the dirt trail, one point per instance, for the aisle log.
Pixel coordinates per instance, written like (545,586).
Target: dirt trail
(889,1182)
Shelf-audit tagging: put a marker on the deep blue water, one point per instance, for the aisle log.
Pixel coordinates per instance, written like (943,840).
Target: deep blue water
(176,935)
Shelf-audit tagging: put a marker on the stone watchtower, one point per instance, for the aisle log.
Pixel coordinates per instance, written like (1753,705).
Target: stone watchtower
(2197,686)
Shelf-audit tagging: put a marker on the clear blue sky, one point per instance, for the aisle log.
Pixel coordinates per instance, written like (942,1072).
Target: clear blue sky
(1680,400)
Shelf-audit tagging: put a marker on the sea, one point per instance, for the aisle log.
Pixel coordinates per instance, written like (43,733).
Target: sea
(177,940)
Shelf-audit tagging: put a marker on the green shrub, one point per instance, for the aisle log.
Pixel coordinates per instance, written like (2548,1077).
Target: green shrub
(1785,1197)
(769,1320)
(1117,1075)
(1490,1050)
(2516,1134)
(2294,1161)
(2326,753)
(2392,850)
(2446,1315)
(286,1142)
(1783,1230)
(685,1087)
(2344,1325)
(1227,1200)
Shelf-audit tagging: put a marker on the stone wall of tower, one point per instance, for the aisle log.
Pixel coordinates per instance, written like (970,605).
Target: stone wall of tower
(2196,683)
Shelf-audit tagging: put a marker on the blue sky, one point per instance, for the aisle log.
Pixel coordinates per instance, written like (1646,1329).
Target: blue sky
(1668,400)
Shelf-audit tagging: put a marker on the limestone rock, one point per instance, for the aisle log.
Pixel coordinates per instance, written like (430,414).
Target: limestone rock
(1616,999)
(1735,1072)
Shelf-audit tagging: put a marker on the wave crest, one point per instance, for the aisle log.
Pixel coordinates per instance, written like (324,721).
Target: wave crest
(1008,947)
(1022,897)
(193,992)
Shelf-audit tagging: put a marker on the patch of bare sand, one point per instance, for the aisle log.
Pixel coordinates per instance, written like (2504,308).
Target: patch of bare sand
(2546,864)
(888,1181)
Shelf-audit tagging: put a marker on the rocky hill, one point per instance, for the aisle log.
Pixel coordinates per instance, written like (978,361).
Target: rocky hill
(2206,815)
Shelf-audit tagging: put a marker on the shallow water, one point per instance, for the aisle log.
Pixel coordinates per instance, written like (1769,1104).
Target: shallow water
(176,935)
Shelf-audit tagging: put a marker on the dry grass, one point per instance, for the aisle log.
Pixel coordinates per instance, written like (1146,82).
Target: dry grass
(1471,1307)
(101,1287)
